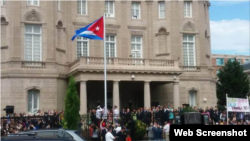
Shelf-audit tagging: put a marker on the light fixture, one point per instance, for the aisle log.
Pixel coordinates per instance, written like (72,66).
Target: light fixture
(133,76)
(174,77)
(205,100)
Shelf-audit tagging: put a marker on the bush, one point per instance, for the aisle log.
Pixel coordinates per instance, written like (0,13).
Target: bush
(72,106)
(140,129)
(187,109)
(63,122)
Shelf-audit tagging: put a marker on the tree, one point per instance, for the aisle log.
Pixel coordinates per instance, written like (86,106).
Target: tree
(72,104)
(232,81)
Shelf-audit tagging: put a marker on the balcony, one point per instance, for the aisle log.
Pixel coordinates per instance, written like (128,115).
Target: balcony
(191,68)
(125,65)
(33,64)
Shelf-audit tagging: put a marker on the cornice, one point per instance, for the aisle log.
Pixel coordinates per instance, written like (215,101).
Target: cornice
(4,23)
(206,1)
(107,25)
(125,71)
(149,2)
(123,1)
(61,50)
(4,47)
(137,27)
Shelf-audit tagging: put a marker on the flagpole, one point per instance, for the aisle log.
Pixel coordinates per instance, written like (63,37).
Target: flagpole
(105,66)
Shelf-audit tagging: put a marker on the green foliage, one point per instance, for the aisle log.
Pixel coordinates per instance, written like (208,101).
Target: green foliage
(232,81)
(187,109)
(64,123)
(72,106)
(221,108)
(140,129)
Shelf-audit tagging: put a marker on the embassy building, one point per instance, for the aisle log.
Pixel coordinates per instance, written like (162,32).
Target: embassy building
(159,52)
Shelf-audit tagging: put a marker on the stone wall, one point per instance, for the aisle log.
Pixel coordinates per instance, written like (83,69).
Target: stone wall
(14,92)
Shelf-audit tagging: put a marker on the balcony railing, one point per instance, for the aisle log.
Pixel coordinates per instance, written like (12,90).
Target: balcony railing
(32,64)
(125,64)
(191,68)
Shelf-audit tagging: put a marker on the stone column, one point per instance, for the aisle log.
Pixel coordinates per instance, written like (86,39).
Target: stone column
(176,95)
(116,94)
(147,98)
(83,97)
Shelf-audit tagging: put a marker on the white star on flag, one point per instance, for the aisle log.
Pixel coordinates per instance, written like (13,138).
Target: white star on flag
(97,28)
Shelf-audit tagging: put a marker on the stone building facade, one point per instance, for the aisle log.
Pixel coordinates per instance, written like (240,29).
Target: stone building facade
(219,60)
(159,53)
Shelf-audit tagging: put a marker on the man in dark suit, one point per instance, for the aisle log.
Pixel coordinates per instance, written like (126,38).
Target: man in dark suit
(122,115)
(148,117)
(121,135)
(131,127)
(166,114)
(128,115)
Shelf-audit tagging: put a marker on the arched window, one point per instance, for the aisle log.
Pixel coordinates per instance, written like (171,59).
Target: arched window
(33,100)
(60,42)
(162,41)
(192,98)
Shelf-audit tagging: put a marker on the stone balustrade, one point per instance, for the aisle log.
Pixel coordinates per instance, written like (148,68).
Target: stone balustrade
(191,68)
(33,64)
(125,64)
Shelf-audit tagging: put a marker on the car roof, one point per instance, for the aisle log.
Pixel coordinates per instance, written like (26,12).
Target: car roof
(73,133)
(42,130)
(32,138)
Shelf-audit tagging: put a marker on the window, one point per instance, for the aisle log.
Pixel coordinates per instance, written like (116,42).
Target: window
(136,46)
(82,7)
(33,2)
(217,71)
(192,98)
(188,9)
(110,8)
(33,101)
(58,4)
(110,46)
(189,50)
(136,10)
(3,2)
(82,47)
(33,44)
(161,9)
(239,60)
(232,59)
(219,61)
(246,60)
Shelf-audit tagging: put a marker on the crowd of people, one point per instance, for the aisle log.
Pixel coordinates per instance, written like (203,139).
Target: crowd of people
(30,121)
(120,125)
(157,118)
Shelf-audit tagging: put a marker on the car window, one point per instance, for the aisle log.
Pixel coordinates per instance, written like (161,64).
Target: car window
(64,134)
(79,135)
(46,134)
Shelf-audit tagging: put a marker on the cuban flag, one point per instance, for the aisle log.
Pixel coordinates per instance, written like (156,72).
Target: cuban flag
(92,31)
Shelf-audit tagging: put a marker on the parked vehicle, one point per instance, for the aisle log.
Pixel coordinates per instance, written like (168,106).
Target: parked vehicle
(49,133)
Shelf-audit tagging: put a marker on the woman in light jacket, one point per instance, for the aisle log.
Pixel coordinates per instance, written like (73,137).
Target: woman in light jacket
(150,132)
